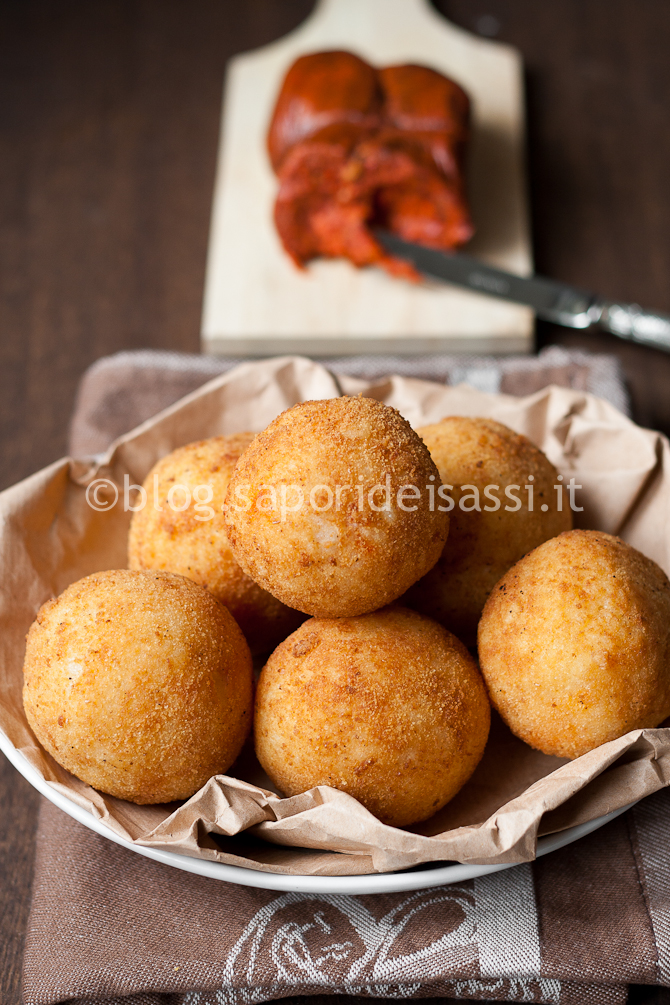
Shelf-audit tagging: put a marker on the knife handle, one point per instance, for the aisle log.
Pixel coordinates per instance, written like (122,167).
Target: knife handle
(629,321)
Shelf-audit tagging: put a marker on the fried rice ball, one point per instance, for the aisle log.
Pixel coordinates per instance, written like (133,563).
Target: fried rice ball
(330,507)
(484,543)
(574,643)
(139,683)
(388,707)
(192,541)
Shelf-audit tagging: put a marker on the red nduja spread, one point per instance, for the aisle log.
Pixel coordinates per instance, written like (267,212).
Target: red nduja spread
(356,147)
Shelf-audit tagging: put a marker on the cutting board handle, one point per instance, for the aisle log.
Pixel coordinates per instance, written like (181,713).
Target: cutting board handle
(406,7)
(340,14)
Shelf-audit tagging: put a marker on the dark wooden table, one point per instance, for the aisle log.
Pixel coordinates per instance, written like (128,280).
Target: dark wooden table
(109,117)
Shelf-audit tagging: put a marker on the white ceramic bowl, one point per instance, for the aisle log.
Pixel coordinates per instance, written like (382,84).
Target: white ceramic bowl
(388,882)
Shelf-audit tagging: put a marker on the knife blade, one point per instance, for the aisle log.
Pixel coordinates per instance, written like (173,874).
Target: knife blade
(550,299)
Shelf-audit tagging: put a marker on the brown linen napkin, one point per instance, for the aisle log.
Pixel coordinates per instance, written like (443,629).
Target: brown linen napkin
(573,928)
(108,925)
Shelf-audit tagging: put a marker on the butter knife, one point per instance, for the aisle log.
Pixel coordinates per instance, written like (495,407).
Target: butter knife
(551,300)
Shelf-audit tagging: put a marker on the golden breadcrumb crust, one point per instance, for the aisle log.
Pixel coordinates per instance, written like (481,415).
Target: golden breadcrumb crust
(483,545)
(389,707)
(193,542)
(574,643)
(345,558)
(139,683)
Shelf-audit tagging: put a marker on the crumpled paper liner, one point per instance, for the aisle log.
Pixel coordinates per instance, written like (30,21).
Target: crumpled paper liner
(50,537)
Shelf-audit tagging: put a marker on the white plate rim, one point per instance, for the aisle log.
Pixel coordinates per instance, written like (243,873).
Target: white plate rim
(387,882)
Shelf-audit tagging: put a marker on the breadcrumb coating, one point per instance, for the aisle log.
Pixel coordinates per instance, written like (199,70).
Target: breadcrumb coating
(192,542)
(574,643)
(339,542)
(139,683)
(389,707)
(483,544)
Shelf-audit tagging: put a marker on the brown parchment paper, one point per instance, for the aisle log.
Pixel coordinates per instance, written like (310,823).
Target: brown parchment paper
(50,537)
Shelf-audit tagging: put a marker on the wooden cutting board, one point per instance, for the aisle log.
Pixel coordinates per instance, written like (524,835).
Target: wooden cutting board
(258,303)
